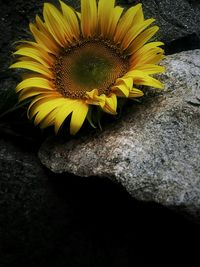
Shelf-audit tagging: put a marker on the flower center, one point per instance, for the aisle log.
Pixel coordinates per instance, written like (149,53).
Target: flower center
(90,64)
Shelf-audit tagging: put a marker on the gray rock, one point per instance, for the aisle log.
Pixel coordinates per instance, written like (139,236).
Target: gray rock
(57,220)
(179,22)
(23,183)
(30,212)
(176,19)
(153,150)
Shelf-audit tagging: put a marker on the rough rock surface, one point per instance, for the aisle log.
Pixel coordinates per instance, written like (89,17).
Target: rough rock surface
(24,199)
(153,151)
(179,22)
(58,220)
(177,19)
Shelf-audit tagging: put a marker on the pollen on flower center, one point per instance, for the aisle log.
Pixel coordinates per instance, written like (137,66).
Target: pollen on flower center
(91,64)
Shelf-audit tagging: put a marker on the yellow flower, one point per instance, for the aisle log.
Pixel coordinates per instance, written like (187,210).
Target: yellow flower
(82,60)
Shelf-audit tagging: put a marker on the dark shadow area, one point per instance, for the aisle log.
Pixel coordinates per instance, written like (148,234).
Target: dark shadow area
(93,222)
(186,43)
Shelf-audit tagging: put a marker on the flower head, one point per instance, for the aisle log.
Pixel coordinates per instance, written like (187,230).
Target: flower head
(83,60)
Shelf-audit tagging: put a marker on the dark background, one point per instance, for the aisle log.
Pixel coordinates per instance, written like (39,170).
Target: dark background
(62,220)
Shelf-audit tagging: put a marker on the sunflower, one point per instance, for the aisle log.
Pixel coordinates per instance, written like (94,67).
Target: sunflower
(82,62)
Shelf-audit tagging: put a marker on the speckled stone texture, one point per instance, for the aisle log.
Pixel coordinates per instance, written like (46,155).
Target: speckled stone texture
(176,18)
(179,22)
(153,151)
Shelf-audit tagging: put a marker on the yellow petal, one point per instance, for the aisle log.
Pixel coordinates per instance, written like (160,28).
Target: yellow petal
(134,32)
(127,81)
(49,57)
(117,12)
(105,13)
(107,103)
(43,40)
(64,112)
(41,26)
(123,84)
(92,93)
(151,68)
(34,66)
(147,54)
(56,25)
(148,46)
(139,16)
(31,75)
(31,92)
(111,104)
(101,100)
(78,15)
(26,59)
(149,81)
(141,78)
(142,39)
(93,98)
(46,109)
(121,90)
(49,119)
(31,89)
(34,82)
(78,117)
(37,99)
(151,57)
(46,103)
(34,54)
(71,19)
(126,22)
(88,17)
(135,93)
